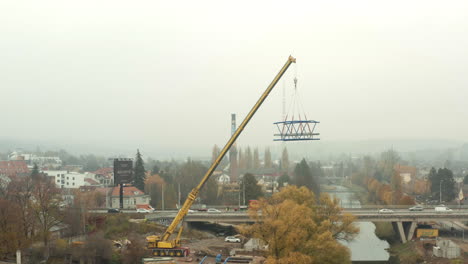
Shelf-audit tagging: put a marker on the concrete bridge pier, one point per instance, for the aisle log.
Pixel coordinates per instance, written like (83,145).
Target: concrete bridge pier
(405,230)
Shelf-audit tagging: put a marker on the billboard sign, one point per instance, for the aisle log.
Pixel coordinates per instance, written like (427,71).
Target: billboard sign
(123,171)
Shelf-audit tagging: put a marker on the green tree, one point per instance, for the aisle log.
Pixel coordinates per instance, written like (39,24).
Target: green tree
(304,177)
(155,169)
(139,172)
(35,172)
(442,180)
(447,184)
(251,188)
(283,179)
(434,179)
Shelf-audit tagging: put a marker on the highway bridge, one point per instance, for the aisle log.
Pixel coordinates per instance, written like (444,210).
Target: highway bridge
(404,221)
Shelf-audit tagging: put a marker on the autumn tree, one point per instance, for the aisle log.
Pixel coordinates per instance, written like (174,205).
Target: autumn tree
(134,251)
(396,186)
(20,191)
(139,173)
(267,159)
(250,187)
(97,249)
(406,200)
(296,230)
(12,236)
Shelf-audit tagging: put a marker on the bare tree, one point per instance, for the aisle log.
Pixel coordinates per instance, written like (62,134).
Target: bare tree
(46,206)
(134,251)
(20,192)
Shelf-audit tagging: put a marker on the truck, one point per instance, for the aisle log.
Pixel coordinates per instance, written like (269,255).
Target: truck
(442,209)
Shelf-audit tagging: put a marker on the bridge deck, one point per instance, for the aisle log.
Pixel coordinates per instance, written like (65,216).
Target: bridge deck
(361,216)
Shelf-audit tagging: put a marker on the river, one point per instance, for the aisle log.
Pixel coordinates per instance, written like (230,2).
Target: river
(366,246)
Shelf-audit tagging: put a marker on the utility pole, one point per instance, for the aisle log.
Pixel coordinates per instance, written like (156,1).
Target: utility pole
(440,191)
(162,200)
(179,195)
(239,196)
(243,189)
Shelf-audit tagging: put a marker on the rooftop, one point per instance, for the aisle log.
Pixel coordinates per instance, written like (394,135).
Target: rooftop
(127,191)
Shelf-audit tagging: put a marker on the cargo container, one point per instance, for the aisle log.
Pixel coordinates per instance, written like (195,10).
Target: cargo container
(427,232)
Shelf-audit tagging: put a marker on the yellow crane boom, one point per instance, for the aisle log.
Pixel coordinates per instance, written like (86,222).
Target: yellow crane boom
(161,245)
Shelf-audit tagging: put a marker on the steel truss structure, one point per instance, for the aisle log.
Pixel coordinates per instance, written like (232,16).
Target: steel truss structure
(296,130)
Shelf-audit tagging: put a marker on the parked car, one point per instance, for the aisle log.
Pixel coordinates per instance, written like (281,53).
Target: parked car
(442,209)
(143,210)
(113,210)
(190,211)
(385,211)
(232,239)
(416,208)
(213,210)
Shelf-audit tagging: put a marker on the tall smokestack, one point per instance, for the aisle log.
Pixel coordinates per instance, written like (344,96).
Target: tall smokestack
(233,124)
(233,152)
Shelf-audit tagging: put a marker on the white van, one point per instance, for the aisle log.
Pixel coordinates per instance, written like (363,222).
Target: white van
(442,209)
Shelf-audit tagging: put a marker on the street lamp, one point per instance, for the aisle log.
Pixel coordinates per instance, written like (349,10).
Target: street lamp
(440,191)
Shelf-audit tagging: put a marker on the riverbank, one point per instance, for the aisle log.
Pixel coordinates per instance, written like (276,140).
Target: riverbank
(399,253)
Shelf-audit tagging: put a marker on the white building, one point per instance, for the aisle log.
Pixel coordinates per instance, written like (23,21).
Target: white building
(32,159)
(132,197)
(65,179)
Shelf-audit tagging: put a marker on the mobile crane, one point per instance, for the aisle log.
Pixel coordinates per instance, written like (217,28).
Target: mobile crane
(162,245)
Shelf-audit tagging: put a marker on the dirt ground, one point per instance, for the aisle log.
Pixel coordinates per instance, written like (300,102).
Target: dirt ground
(424,249)
(210,247)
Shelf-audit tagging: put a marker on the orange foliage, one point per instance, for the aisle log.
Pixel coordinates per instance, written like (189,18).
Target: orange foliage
(154,179)
(406,200)
(421,186)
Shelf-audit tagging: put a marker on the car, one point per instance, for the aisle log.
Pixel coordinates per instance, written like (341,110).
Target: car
(232,239)
(113,210)
(143,210)
(190,211)
(213,211)
(385,211)
(416,208)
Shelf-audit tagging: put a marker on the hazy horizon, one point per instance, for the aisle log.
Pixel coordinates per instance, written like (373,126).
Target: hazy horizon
(157,74)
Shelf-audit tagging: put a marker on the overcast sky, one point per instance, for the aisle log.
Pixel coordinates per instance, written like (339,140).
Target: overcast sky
(170,73)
